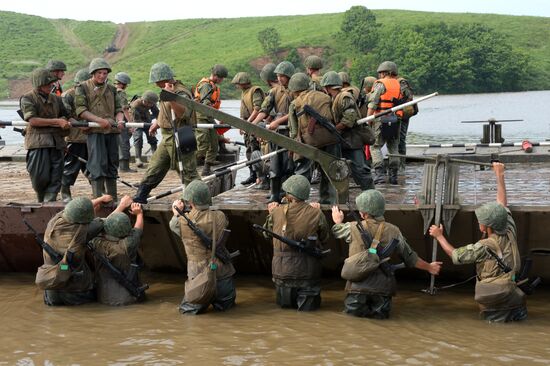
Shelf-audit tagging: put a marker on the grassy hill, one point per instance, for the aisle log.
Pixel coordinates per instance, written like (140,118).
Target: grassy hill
(192,46)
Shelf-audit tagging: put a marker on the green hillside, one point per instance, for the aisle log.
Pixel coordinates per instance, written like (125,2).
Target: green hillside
(191,47)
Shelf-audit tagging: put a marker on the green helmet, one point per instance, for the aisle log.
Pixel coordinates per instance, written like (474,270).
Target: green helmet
(388,66)
(493,215)
(81,76)
(241,78)
(123,78)
(79,211)
(268,73)
(150,97)
(99,64)
(198,193)
(297,186)
(371,202)
(41,77)
(368,82)
(285,68)
(313,62)
(54,65)
(332,79)
(117,224)
(345,77)
(299,82)
(219,70)
(159,72)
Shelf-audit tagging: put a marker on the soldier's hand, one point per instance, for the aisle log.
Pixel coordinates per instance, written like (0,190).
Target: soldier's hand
(340,126)
(272,126)
(154,127)
(498,168)
(106,198)
(120,125)
(315,205)
(271,206)
(337,215)
(125,201)
(103,123)
(136,209)
(63,123)
(434,268)
(436,231)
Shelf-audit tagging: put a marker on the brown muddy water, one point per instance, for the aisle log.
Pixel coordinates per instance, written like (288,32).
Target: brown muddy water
(423,330)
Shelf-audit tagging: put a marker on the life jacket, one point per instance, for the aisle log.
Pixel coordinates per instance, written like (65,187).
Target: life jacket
(391,97)
(297,221)
(214,96)
(56,89)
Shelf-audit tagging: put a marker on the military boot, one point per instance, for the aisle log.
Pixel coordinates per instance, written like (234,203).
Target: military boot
(251,178)
(142,193)
(124,166)
(66,193)
(111,188)
(40,196)
(50,196)
(379,176)
(275,186)
(206,170)
(393,176)
(98,187)
(139,161)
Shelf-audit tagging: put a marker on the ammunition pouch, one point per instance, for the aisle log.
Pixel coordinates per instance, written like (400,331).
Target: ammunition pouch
(390,126)
(52,276)
(357,267)
(201,288)
(186,139)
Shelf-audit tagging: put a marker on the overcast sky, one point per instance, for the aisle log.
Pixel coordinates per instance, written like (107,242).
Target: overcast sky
(120,11)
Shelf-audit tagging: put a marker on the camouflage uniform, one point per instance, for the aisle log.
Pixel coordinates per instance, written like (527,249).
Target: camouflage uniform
(372,297)
(102,101)
(198,256)
(44,145)
(119,243)
(408,96)
(297,276)
(76,142)
(511,306)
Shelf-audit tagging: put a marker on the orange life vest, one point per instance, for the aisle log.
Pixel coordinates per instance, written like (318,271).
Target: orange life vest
(214,96)
(392,94)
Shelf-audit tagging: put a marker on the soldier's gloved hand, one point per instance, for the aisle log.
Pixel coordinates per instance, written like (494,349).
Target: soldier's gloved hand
(337,215)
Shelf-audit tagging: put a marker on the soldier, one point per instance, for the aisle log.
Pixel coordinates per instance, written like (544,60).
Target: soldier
(371,297)
(277,101)
(314,64)
(251,102)
(297,275)
(408,112)
(207,92)
(144,109)
(44,138)
(70,282)
(119,243)
(122,80)
(497,294)
(347,87)
(76,141)
(166,155)
(346,114)
(97,101)
(198,196)
(57,69)
(307,130)
(385,95)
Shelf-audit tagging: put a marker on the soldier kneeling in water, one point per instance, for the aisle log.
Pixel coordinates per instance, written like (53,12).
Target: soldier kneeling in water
(498,296)
(371,283)
(297,274)
(118,244)
(203,222)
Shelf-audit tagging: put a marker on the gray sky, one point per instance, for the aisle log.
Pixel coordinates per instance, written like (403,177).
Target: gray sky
(120,11)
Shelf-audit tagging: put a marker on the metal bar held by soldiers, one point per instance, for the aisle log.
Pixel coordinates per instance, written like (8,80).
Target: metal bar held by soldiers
(452,160)
(337,170)
(86,124)
(396,108)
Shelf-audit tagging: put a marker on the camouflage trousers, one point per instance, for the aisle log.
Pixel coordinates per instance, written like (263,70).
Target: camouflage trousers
(367,305)
(223,300)
(166,158)
(207,143)
(391,144)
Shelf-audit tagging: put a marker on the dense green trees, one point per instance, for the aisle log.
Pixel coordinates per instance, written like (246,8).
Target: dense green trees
(359,29)
(270,40)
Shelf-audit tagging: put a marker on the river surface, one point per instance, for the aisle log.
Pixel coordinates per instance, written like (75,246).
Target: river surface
(423,330)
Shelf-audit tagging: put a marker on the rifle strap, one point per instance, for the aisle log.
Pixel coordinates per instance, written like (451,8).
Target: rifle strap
(285,211)
(377,236)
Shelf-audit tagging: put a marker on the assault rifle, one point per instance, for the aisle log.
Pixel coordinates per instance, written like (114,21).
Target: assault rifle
(322,121)
(362,99)
(385,253)
(221,251)
(54,255)
(125,281)
(305,246)
(522,280)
